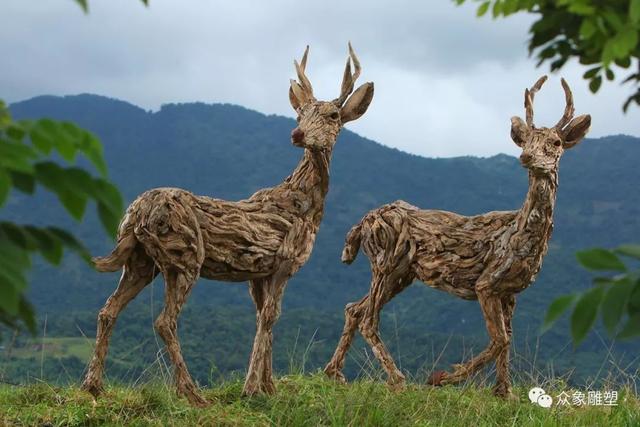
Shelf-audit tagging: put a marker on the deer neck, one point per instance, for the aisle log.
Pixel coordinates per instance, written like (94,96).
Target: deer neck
(311,178)
(535,218)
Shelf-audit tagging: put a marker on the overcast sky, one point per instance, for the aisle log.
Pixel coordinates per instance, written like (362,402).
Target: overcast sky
(446,82)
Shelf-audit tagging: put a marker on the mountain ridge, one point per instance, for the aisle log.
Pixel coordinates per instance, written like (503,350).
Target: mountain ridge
(230,152)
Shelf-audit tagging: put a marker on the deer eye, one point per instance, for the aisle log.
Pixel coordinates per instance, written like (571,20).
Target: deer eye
(334,116)
(557,143)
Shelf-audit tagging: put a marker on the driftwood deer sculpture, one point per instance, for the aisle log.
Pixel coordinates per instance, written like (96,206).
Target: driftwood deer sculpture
(489,258)
(264,239)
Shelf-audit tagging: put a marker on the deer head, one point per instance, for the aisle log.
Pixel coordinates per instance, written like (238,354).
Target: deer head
(542,147)
(319,122)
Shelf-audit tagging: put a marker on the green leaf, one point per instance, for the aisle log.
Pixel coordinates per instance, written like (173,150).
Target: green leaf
(47,244)
(580,8)
(600,259)
(68,184)
(584,315)
(23,182)
(15,132)
(497,9)
(110,205)
(5,185)
(72,243)
(634,11)
(62,141)
(623,62)
(595,83)
(84,5)
(629,250)
(614,303)
(625,41)
(16,235)
(9,295)
(5,116)
(634,300)
(483,8)
(41,139)
(16,156)
(93,150)
(631,328)
(609,73)
(588,28)
(555,310)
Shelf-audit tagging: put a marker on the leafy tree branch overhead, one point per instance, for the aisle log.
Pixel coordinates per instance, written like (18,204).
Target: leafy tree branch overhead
(26,150)
(602,35)
(28,158)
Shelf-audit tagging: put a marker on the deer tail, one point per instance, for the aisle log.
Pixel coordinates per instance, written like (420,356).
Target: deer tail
(118,257)
(352,244)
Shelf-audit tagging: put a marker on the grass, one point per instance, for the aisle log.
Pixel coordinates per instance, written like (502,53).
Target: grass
(302,400)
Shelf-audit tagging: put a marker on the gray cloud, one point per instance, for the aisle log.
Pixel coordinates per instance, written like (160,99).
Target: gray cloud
(446,82)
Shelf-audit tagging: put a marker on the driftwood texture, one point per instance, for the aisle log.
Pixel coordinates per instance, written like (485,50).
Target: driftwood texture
(264,239)
(489,258)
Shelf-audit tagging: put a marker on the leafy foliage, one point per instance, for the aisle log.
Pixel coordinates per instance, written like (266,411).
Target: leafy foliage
(602,35)
(617,297)
(27,149)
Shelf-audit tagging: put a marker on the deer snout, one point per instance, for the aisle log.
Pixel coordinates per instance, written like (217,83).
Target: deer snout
(525,158)
(297,136)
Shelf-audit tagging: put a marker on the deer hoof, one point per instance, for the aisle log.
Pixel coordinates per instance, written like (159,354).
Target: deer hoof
(436,378)
(335,375)
(92,388)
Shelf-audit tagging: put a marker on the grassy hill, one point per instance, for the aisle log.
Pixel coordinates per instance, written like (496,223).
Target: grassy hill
(229,152)
(304,401)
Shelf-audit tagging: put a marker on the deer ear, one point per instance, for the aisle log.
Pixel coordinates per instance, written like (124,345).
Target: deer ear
(357,103)
(577,128)
(297,96)
(519,131)
(293,100)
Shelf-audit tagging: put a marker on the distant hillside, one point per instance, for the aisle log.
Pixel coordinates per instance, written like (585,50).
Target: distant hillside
(229,152)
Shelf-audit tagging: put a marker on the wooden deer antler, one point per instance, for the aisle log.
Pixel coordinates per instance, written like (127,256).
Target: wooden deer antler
(568,109)
(529,94)
(348,80)
(301,92)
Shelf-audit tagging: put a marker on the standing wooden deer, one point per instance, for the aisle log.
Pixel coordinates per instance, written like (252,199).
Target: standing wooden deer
(490,257)
(264,239)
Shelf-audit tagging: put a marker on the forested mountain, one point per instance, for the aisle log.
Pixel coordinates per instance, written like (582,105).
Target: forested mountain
(230,152)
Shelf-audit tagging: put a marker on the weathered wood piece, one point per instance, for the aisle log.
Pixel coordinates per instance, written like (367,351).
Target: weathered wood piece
(264,239)
(489,257)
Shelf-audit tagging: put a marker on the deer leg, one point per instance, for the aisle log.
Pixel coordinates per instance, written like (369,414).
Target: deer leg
(503,379)
(383,288)
(352,315)
(254,382)
(267,295)
(137,274)
(177,287)
(492,311)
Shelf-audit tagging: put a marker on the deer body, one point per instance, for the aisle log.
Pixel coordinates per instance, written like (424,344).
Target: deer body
(264,239)
(237,241)
(490,257)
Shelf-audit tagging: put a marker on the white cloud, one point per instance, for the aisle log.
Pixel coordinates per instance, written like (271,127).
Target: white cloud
(446,82)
